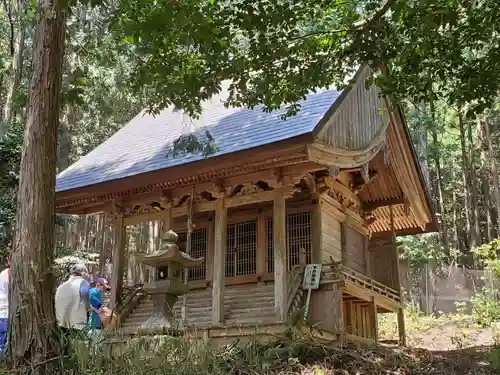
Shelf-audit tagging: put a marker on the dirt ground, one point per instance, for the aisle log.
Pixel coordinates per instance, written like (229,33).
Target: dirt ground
(450,336)
(450,341)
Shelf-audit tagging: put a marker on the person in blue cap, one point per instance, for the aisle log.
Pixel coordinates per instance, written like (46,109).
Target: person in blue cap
(95,295)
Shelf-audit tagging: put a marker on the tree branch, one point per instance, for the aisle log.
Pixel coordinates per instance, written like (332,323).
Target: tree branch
(362,25)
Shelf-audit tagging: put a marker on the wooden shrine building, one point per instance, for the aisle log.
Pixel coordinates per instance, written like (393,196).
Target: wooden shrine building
(333,185)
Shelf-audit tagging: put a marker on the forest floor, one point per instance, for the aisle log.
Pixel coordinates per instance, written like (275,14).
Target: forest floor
(452,339)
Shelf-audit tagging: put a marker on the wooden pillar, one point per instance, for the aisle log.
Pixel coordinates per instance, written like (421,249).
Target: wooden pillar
(401,327)
(279,248)
(210,251)
(374,319)
(167,218)
(337,308)
(118,262)
(220,236)
(348,321)
(316,233)
(261,246)
(343,241)
(368,260)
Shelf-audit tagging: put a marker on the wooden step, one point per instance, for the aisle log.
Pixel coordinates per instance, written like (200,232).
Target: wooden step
(243,304)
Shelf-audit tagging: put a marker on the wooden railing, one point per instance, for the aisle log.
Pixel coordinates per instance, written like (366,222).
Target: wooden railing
(294,282)
(344,273)
(131,298)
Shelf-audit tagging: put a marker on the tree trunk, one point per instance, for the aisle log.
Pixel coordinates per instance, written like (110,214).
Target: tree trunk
(17,61)
(485,180)
(456,236)
(33,337)
(471,236)
(440,207)
(494,172)
(64,144)
(473,186)
(422,153)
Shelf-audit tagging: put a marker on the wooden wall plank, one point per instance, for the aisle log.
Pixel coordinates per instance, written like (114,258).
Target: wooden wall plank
(355,256)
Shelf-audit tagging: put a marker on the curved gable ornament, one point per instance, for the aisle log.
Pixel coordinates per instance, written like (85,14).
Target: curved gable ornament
(356,131)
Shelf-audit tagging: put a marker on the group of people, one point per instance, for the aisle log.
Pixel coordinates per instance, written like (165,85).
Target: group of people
(79,301)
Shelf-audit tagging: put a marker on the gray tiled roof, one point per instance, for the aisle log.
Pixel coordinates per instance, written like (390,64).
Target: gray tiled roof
(143,145)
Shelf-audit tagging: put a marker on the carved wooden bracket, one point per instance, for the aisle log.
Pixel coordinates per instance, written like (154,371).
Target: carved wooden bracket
(166,196)
(406,207)
(310,182)
(220,190)
(333,171)
(385,152)
(346,197)
(365,173)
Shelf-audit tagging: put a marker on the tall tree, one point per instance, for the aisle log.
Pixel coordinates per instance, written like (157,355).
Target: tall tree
(470,229)
(494,171)
(473,185)
(485,179)
(17,18)
(33,335)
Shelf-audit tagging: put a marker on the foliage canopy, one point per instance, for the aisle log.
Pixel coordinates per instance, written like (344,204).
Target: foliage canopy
(275,51)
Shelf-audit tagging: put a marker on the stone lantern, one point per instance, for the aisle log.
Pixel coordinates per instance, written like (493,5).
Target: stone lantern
(166,292)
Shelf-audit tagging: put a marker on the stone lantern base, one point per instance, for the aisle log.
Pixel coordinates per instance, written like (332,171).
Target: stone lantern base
(163,315)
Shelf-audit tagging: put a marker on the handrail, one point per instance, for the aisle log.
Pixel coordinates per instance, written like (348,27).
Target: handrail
(129,302)
(344,271)
(294,281)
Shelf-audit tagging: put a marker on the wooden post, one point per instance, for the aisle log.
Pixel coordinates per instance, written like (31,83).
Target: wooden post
(374,319)
(103,254)
(343,241)
(368,260)
(337,307)
(280,250)
(209,262)
(348,321)
(261,246)
(220,232)
(118,262)
(189,236)
(401,327)
(167,218)
(316,233)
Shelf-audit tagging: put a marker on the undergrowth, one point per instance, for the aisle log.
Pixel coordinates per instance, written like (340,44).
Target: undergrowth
(293,354)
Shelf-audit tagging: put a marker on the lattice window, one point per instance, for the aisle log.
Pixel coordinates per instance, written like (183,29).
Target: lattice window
(241,248)
(199,245)
(299,237)
(298,226)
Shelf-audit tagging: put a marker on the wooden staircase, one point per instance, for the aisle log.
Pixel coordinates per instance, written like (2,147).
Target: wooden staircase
(243,304)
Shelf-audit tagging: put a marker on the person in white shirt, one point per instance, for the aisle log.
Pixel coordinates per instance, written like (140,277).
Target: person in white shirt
(4,306)
(72,302)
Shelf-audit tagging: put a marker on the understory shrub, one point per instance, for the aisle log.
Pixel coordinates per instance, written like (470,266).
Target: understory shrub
(485,309)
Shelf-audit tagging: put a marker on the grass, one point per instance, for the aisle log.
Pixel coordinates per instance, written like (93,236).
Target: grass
(417,323)
(291,355)
(294,355)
